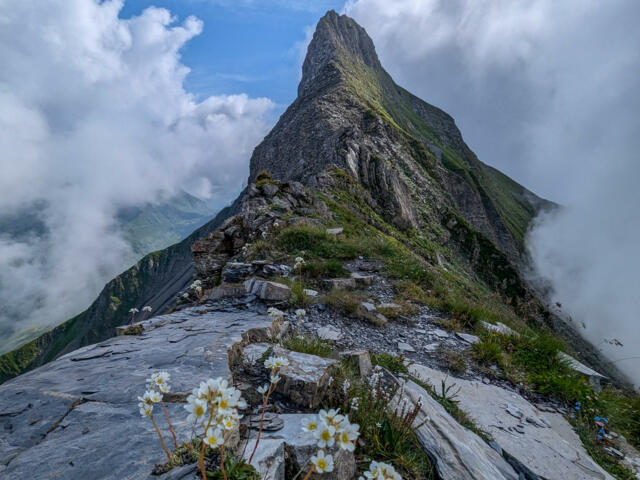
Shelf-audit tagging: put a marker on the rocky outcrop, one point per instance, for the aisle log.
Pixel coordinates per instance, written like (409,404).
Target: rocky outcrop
(540,444)
(80,412)
(408,154)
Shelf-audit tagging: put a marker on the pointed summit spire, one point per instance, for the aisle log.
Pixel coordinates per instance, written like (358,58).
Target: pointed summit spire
(338,38)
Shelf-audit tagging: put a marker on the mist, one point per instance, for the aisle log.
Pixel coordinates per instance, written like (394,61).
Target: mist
(94,118)
(547,92)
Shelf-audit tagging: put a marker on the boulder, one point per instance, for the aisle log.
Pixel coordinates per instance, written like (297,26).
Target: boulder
(540,444)
(267,290)
(304,381)
(368,307)
(334,231)
(340,283)
(226,290)
(459,454)
(310,293)
(269,189)
(237,272)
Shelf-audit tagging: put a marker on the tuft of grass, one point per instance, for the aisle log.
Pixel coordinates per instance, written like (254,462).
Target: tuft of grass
(489,350)
(393,363)
(325,268)
(406,309)
(298,298)
(310,344)
(344,301)
(410,290)
(455,361)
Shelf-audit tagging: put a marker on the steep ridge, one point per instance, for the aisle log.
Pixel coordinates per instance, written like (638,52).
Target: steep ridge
(409,154)
(153,281)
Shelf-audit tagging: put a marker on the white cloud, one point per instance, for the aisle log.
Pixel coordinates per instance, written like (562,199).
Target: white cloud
(94,117)
(546,91)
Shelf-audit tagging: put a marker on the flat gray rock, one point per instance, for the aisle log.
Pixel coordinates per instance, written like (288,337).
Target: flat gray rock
(471,339)
(498,327)
(405,347)
(329,333)
(334,231)
(459,453)
(77,417)
(546,445)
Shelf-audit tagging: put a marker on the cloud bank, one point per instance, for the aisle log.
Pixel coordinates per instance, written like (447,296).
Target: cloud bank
(548,93)
(94,118)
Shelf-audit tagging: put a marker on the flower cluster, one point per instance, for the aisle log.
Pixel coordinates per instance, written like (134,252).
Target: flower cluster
(600,423)
(299,262)
(196,286)
(157,386)
(330,429)
(300,314)
(214,406)
(380,471)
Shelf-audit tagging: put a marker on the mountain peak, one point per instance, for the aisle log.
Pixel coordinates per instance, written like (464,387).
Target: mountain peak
(336,37)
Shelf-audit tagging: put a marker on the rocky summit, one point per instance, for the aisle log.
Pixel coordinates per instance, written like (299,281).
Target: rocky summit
(372,268)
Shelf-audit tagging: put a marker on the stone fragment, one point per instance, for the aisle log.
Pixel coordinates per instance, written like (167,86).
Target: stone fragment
(459,454)
(368,307)
(499,327)
(390,305)
(334,231)
(405,347)
(439,333)
(304,381)
(431,347)
(329,333)
(310,293)
(552,452)
(467,337)
(362,280)
(267,290)
(270,422)
(226,290)
(594,377)
(269,189)
(362,359)
(340,283)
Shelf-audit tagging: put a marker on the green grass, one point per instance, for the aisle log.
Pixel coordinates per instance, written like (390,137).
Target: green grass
(330,268)
(393,363)
(489,350)
(311,344)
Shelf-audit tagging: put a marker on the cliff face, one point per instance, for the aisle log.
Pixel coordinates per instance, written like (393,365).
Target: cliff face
(410,155)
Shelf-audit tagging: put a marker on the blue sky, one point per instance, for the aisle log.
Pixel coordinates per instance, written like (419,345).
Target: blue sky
(245,47)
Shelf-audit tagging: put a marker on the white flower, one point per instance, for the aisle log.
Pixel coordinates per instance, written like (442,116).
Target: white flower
(145,410)
(330,381)
(213,437)
(325,435)
(196,408)
(299,260)
(345,386)
(331,417)
(229,422)
(274,363)
(159,378)
(146,308)
(198,289)
(378,424)
(276,224)
(354,404)
(347,435)
(382,471)
(323,463)
(133,310)
(310,424)
(300,313)
(185,295)
(274,378)
(263,389)
(275,314)
(155,396)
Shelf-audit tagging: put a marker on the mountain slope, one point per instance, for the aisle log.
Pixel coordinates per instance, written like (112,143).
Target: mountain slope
(409,154)
(154,281)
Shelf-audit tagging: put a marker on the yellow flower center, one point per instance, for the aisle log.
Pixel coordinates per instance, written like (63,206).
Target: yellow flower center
(326,435)
(312,426)
(224,403)
(199,411)
(322,463)
(345,437)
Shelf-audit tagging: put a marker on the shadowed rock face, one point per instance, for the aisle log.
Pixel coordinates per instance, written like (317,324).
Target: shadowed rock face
(410,155)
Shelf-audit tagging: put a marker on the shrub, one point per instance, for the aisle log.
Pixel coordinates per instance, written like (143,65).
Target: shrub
(344,301)
(489,350)
(325,268)
(393,363)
